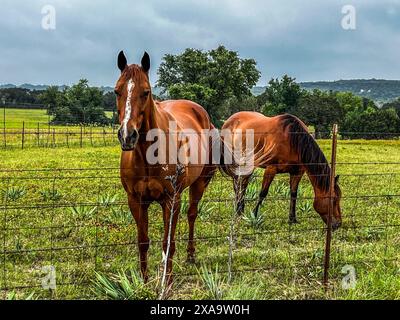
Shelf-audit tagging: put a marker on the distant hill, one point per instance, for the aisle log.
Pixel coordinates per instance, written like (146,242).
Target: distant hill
(378,90)
(29,86)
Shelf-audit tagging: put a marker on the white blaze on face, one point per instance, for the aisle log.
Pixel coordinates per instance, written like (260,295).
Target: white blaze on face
(128,109)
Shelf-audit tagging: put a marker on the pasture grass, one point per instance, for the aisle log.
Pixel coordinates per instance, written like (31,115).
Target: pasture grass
(78,221)
(31,117)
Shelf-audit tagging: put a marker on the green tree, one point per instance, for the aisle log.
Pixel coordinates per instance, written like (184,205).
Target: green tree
(372,124)
(321,110)
(394,105)
(281,96)
(81,104)
(233,105)
(109,101)
(208,78)
(51,98)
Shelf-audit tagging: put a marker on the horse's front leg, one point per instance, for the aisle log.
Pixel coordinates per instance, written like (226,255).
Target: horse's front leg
(171,208)
(139,212)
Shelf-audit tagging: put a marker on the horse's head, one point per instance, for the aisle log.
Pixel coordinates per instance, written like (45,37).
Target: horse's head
(322,205)
(133,92)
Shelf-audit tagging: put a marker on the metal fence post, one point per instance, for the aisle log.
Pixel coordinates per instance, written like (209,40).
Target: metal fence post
(331,207)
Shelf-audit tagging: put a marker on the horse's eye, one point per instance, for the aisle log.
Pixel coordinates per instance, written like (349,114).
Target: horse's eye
(146,93)
(117,93)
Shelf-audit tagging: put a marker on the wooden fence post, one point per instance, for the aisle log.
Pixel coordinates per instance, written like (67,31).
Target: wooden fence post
(23,135)
(54,137)
(331,208)
(81,142)
(38,134)
(91,135)
(4,128)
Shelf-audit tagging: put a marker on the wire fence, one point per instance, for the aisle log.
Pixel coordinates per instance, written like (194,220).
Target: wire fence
(77,221)
(45,135)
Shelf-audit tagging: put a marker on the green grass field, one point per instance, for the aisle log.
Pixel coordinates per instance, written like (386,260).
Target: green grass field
(31,128)
(78,221)
(31,117)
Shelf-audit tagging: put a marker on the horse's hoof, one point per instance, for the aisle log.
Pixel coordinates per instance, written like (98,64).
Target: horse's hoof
(293,221)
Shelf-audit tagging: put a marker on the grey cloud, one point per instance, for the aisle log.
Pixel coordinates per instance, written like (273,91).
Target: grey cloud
(303,39)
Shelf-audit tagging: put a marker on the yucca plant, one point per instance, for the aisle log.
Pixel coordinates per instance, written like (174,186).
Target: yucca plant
(119,216)
(83,212)
(252,191)
(50,195)
(255,221)
(305,207)
(125,285)
(106,200)
(206,209)
(212,282)
(14,193)
(184,203)
(278,189)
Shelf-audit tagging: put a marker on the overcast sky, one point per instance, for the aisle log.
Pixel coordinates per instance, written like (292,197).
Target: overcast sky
(303,38)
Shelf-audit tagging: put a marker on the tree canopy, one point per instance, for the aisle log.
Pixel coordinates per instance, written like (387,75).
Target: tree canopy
(209,78)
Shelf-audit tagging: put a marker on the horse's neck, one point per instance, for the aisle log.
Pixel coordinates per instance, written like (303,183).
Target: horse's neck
(154,118)
(319,180)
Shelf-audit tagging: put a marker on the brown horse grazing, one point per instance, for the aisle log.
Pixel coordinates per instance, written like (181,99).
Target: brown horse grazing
(284,145)
(145,181)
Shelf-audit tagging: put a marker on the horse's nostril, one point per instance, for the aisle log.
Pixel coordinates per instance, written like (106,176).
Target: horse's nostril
(134,134)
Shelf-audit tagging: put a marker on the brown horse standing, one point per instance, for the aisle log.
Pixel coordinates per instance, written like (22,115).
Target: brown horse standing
(145,182)
(284,145)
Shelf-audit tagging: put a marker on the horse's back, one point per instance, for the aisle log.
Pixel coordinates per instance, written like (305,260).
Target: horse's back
(188,114)
(271,135)
(256,121)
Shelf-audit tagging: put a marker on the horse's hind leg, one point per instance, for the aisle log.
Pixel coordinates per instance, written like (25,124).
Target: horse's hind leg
(294,186)
(269,175)
(196,191)
(240,184)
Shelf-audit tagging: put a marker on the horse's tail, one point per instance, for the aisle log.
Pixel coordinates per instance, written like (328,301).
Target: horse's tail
(225,152)
(241,163)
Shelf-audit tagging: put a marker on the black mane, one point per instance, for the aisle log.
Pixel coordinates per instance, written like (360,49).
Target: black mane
(310,154)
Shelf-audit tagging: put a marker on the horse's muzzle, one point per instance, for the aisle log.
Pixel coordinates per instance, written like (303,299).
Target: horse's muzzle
(129,141)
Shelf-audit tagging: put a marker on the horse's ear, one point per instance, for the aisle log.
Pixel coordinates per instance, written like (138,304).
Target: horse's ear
(145,62)
(337,179)
(122,63)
